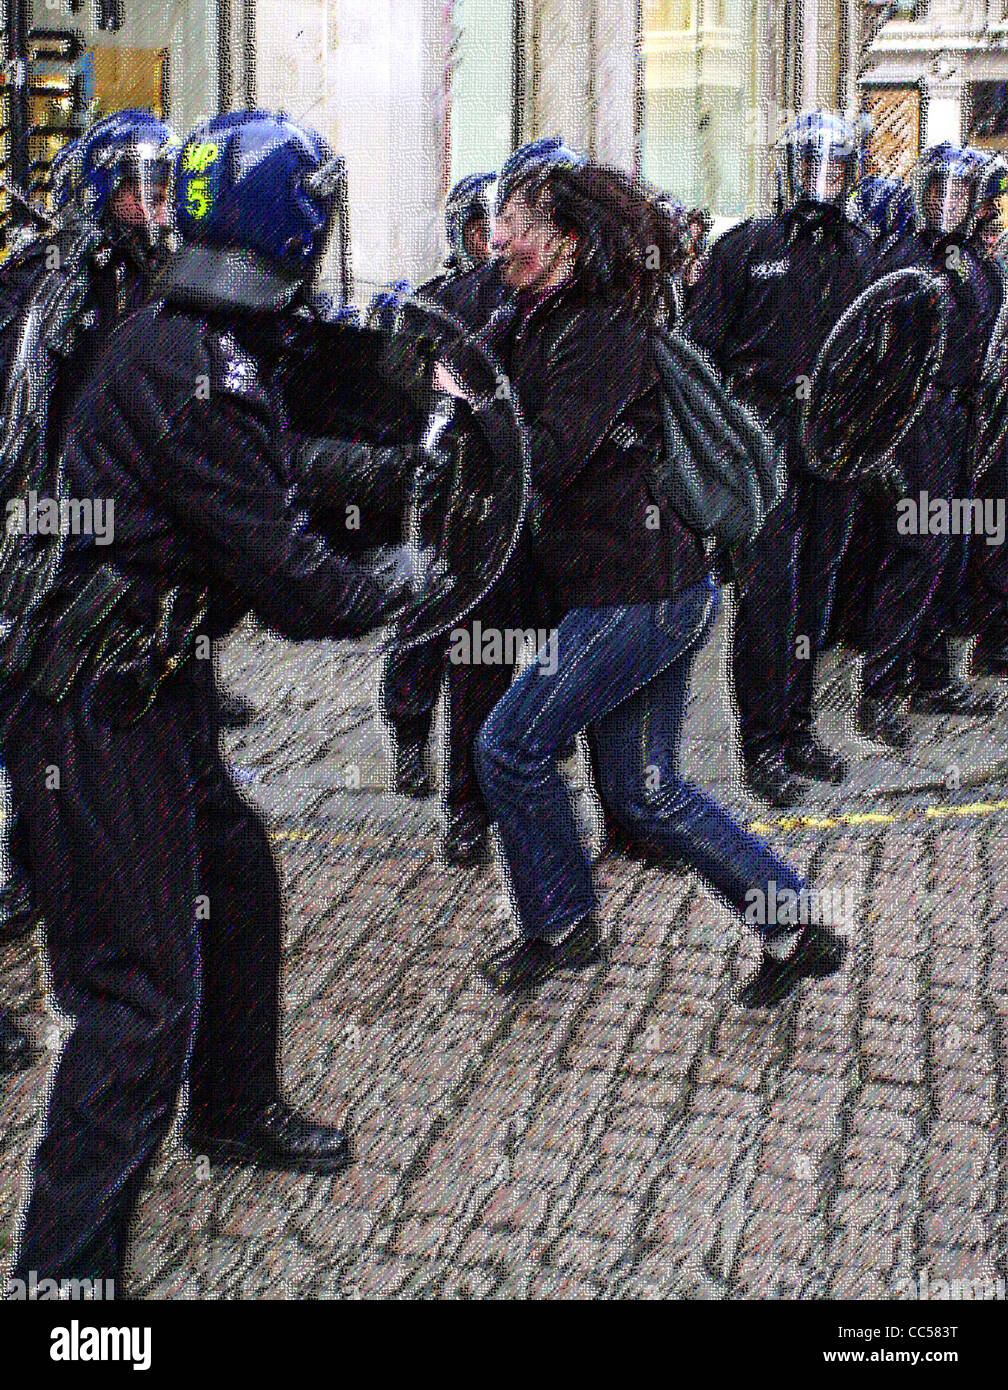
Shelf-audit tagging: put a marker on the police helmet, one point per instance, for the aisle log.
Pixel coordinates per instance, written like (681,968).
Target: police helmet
(947,188)
(132,151)
(468,200)
(255,202)
(818,159)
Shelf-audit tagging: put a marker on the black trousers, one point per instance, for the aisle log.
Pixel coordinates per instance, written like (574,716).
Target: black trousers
(986,585)
(917,581)
(412,682)
(786,582)
(163,919)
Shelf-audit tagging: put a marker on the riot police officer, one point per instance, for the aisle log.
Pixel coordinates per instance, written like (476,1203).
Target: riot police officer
(471,290)
(920,569)
(156,880)
(987,565)
(770,293)
(116,177)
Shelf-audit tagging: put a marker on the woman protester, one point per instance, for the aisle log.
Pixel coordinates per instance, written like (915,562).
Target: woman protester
(628,588)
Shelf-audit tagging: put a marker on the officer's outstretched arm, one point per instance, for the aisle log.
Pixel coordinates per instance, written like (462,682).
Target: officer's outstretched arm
(225,482)
(339,473)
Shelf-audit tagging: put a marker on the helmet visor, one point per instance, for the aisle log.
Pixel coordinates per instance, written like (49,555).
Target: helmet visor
(141,191)
(822,173)
(946,202)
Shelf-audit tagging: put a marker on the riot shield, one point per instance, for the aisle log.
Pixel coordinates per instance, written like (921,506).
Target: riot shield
(872,375)
(344,381)
(990,414)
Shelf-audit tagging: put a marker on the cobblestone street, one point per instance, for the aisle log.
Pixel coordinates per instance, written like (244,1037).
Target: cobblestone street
(629,1132)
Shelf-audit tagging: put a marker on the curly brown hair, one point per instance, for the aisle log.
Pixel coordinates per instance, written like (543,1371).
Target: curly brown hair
(626,242)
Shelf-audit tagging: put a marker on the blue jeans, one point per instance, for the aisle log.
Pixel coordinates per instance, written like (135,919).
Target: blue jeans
(625,671)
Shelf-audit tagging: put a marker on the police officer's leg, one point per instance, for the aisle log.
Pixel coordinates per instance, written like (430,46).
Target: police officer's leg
(907,579)
(937,687)
(826,523)
(410,685)
(235,1061)
(764,649)
(236,1111)
(473,691)
(988,581)
(110,826)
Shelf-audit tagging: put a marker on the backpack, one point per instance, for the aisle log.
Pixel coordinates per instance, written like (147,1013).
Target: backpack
(720,469)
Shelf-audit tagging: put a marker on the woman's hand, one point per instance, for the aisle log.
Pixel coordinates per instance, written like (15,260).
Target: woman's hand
(446,381)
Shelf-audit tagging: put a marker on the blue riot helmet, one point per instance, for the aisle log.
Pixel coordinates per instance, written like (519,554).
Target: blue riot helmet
(992,187)
(64,175)
(818,159)
(467,202)
(538,154)
(130,153)
(884,205)
(946,190)
(257,198)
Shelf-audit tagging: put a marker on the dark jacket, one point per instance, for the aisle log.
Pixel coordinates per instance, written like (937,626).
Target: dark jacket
(936,454)
(588,391)
(472,296)
(770,292)
(179,428)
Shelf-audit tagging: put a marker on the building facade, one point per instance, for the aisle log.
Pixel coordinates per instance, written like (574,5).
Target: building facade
(415,93)
(939,72)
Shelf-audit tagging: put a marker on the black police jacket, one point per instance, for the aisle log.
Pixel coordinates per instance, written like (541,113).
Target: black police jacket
(589,395)
(179,433)
(471,296)
(973,287)
(116,288)
(768,296)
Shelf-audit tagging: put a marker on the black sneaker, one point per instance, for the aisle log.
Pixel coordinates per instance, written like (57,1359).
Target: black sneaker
(820,952)
(517,967)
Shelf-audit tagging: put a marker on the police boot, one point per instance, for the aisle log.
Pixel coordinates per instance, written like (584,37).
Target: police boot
(991,659)
(579,946)
(806,755)
(768,776)
(409,773)
(884,721)
(15,1050)
(277,1137)
(234,711)
(818,951)
(953,696)
(466,842)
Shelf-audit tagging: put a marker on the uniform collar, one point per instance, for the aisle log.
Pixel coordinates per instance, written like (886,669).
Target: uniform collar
(818,223)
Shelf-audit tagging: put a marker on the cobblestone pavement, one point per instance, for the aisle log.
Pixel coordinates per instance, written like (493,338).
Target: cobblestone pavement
(630,1132)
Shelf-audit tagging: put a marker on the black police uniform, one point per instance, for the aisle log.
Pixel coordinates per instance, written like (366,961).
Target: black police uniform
(156,880)
(767,298)
(412,680)
(919,575)
(115,288)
